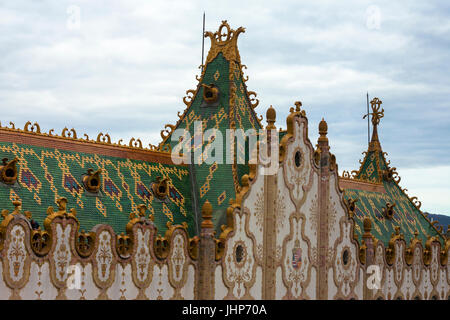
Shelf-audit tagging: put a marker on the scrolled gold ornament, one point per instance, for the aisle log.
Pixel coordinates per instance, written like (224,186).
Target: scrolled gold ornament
(103,138)
(189,97)
(193,247)
(135,143)
(85,243)
(33,127)
(243,66)
(161,247)
(66,133)
(416,202)
(253,101)
(40,242)
(224,41)
(202,68)
(391,175)
(124,245)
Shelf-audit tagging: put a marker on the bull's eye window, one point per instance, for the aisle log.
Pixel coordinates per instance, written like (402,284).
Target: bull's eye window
(9,173)
(210,94)
(92,180)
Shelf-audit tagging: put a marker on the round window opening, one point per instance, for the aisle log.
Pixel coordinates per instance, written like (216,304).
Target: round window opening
(162,189)
(94,182)
(9,173)
(345,257)
(239,253)
(298,159)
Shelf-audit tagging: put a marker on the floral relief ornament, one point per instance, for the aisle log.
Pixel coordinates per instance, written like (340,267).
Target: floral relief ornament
(238,263)
(297,165)
(178,258)
(62,255)
(142,258)
(104,256)
(16,253)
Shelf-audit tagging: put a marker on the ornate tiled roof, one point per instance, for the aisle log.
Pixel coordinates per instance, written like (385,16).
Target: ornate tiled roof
(50,167)
(233,108)
(376,187)
(126,176)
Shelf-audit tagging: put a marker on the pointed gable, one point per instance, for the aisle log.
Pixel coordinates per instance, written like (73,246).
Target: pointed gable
(233,109)
(376,187)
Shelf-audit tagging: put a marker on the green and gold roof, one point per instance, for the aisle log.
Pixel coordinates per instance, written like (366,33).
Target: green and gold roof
(376,187)
(233,109)
(50,167)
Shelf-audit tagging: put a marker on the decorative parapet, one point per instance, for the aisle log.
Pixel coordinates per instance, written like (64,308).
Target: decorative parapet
(390,251)
(71,134)
(98,256)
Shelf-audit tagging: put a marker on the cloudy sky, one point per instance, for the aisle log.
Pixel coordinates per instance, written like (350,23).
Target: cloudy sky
(123,67)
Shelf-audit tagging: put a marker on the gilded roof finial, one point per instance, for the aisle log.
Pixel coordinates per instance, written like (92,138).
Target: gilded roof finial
(323,130)
(376,116)
(367,225)
(224,40)
(271,116)
(207,215)
(17,206)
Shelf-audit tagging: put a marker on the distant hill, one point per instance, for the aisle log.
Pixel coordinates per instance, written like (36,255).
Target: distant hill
(442,219)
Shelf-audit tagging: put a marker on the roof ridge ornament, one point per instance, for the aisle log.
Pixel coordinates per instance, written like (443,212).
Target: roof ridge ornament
(376,114)
(224,41)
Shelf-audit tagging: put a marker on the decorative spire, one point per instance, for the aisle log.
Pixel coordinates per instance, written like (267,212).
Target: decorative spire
(207,215)
(323,130)
(224,40)
(367,226)
(375,104)
(271,116)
